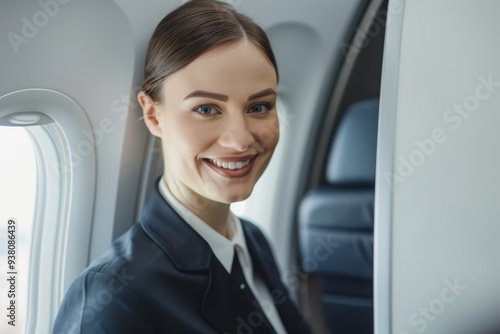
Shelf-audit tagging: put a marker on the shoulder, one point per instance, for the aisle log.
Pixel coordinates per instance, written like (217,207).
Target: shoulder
(129,252)
(134,261)
(114,285)
(104,291)
(94,299)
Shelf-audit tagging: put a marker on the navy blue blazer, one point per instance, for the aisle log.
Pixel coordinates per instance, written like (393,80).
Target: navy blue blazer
(162,277)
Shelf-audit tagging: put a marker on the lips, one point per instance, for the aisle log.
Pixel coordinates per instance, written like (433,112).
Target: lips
(231,167)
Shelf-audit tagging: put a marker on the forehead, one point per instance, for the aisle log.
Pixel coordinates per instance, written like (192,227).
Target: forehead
(238,69)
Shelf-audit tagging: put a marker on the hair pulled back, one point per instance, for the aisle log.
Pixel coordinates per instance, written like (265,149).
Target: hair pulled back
(192,29)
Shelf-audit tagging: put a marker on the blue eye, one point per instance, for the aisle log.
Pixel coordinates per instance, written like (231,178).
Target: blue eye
(205,110)
(259,108)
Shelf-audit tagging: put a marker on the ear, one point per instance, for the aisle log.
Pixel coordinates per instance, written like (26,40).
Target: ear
(150,110)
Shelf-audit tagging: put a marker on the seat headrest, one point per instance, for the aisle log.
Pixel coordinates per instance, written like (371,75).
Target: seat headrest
(353,151)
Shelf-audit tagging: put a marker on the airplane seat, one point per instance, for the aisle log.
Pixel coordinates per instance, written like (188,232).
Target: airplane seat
(336,223)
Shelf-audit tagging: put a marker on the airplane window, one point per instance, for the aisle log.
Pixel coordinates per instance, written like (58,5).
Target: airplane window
(18,184)
(53,217)
(34,201)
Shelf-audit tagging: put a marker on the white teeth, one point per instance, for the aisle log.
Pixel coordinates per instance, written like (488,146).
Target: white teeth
(230,165)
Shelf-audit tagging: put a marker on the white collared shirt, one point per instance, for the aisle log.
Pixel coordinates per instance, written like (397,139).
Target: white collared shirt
(223,249)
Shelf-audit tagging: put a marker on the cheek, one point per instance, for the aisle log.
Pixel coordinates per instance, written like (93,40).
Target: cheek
(187,138)
(269,133)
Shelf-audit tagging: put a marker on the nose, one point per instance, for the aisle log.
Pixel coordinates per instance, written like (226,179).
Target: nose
(236,134)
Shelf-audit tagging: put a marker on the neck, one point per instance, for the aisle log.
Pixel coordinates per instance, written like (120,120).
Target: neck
(214,214)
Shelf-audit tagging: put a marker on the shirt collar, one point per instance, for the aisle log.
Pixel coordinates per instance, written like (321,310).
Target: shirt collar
(222,247)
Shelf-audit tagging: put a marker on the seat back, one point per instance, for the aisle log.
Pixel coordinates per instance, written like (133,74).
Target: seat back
(336,223)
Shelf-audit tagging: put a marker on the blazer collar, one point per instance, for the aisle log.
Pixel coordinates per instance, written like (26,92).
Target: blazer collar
(224,305)
(186,248)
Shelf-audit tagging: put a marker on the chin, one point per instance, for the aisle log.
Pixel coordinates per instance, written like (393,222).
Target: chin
(233,196)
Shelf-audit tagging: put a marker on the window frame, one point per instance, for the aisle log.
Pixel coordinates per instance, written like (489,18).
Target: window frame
(65,197)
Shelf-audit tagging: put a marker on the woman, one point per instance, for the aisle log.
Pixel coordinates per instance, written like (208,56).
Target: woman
(190,265)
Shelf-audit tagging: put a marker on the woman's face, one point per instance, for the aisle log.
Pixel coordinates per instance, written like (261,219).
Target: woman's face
(218,123)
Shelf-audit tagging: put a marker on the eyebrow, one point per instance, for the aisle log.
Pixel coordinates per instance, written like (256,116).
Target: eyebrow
(203,93)
(225,98)
(262,93)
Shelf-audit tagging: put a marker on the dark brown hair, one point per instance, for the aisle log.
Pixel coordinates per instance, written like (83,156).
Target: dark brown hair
(192,29)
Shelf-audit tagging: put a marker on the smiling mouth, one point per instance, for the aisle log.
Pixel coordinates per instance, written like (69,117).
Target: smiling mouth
(232,165)
(231,169)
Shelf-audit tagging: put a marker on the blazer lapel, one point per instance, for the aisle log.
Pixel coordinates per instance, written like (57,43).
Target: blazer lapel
(225,306)
(186,248)
(262,257)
